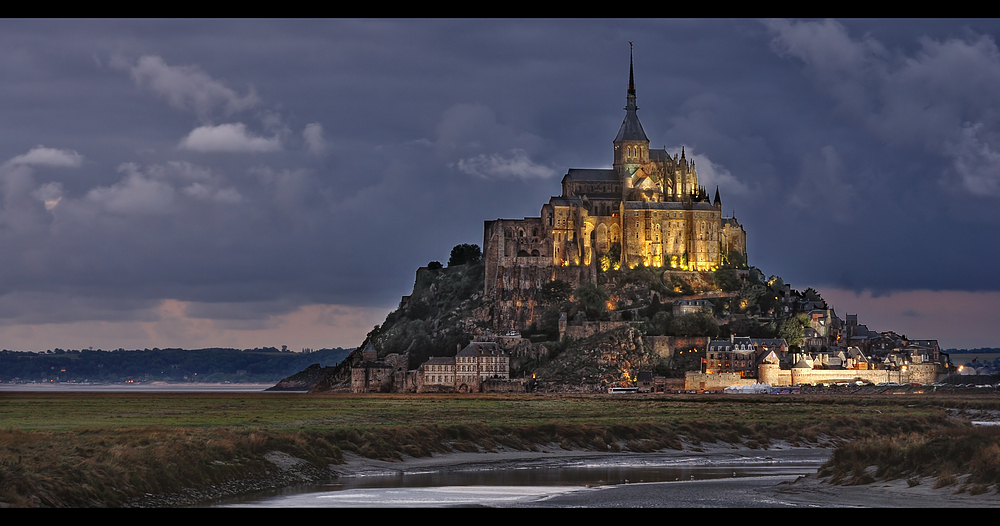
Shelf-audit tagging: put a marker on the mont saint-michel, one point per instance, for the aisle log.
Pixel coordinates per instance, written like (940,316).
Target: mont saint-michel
(633,278)
(239,190)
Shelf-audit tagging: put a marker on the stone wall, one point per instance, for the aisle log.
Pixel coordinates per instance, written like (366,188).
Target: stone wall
(371,378)
(590,328)
(404,381)
(502,386)
(919,373)
(772,375)
(714,382)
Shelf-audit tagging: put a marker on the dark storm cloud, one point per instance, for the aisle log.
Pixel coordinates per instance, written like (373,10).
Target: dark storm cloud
(251,167)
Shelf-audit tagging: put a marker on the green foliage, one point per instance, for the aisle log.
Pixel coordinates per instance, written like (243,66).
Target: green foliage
(734,259)
(694,324)
(612,257)
(465,253)
(727,280)
(791,329)
(429,324)
(661,322)
(555,292)
(550,323)
(646,278)
(435,265)
(591,298)
(749,293)
(679,285)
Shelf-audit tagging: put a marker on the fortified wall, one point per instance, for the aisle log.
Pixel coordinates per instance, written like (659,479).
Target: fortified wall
(773,375)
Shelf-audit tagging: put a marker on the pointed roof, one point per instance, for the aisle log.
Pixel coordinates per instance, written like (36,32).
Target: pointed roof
(631,130)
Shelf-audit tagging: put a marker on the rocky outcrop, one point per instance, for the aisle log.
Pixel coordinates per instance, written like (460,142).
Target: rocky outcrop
(303,380)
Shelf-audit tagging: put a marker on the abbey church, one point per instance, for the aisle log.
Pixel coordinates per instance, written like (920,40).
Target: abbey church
(647,210)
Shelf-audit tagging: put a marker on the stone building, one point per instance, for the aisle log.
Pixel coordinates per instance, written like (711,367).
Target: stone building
(648,209)
(740,355)
(371,375)
(479,367)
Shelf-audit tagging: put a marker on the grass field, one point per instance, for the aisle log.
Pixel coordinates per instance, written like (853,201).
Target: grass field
(72,449)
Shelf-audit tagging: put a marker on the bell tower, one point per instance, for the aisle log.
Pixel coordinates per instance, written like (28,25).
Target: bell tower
(631,144)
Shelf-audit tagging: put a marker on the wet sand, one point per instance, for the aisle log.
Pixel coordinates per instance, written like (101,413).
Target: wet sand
(756,491)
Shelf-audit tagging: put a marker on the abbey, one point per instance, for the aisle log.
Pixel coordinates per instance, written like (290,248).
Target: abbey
(647,210)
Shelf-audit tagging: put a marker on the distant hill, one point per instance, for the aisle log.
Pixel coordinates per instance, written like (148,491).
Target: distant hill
(978,350)
(261,365)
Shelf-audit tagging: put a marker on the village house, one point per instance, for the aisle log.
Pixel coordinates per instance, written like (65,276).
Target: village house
(474,369)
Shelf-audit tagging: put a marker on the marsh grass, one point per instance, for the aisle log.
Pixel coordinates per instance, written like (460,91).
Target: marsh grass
(943,453)
(104,449)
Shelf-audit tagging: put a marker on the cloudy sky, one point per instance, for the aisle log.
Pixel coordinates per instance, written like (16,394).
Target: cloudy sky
(266,183)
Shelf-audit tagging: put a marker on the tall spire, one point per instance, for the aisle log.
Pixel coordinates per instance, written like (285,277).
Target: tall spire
(631,130)
(631,81)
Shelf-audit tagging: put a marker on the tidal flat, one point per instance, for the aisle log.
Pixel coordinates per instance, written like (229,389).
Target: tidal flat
(123,449)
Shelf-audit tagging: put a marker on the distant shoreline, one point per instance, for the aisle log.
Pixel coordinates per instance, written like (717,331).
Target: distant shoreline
(151,387)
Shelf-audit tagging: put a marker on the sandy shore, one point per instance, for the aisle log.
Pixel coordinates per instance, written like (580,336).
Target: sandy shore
(805,491)
(553,455)
(809,491)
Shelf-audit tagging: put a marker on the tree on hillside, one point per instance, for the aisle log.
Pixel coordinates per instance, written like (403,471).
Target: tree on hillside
(592,299)
(748,294)
(556,292)
(727,280)
(694,324)
(465,253)
(735,259)
(791,329)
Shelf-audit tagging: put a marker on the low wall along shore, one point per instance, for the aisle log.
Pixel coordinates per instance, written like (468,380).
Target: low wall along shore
(771,374)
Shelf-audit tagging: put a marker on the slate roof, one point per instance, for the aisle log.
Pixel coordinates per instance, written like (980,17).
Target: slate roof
(592,174)
(480,349)
(658,154)
(631,129)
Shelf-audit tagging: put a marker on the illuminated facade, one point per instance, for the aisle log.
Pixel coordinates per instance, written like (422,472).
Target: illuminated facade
(647,210)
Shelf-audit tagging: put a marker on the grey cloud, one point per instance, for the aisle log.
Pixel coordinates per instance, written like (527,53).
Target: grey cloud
(473,128)
(39,307)
(711,175)
(42,156)
(228,138)
(188,88)
(134,195)
(429,127)
(977,159)
(515,164)
(49,194)
(942,96)
(313,135)
(822,189)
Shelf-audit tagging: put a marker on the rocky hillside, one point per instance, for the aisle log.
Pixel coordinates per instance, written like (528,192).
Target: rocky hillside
(446,310)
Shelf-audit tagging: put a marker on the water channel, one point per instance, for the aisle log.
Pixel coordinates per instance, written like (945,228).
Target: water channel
(652,480)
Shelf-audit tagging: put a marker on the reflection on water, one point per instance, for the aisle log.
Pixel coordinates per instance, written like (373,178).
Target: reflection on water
(531,483)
